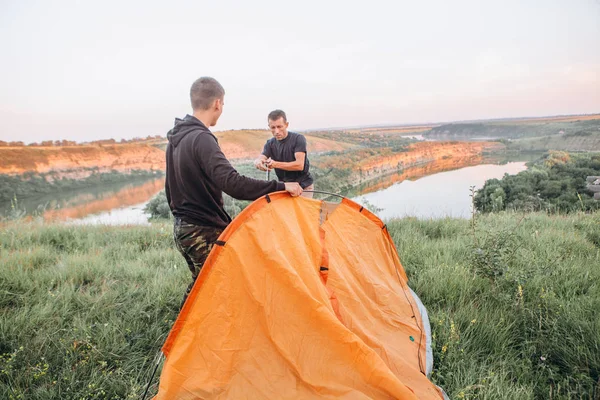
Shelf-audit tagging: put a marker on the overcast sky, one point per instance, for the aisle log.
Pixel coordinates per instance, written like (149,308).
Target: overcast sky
(83,70)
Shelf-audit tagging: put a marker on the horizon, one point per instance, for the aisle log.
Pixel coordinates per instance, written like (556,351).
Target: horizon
(84,71)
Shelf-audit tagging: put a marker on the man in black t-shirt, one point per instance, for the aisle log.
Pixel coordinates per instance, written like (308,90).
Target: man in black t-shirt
(286,153)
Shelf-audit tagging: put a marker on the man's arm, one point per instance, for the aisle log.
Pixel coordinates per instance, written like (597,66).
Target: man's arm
(297,165)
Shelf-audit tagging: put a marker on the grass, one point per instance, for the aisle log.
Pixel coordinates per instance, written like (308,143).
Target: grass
(514,304)
(84,309)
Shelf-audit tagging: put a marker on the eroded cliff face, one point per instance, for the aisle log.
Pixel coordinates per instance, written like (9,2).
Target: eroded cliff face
(424,152)
(370,164)
(80,161)
(77,161)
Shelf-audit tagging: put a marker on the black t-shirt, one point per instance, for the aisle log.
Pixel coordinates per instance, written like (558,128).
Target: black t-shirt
(283,150)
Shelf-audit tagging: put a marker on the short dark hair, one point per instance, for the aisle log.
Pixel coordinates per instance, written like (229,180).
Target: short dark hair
(204,91)
(276,114)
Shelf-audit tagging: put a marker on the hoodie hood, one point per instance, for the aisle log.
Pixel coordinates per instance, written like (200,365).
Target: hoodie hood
(184,126)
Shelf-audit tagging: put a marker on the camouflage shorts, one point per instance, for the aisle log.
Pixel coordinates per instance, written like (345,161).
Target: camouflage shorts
(194,242)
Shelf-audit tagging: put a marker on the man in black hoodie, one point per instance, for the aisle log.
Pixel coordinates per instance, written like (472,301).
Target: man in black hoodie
(197,175)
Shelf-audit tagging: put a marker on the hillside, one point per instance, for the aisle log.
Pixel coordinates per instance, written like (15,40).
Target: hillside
(465,129)
(247,144)
(371,137)
(516,129)
(391,130)
(556,118)
(576,141)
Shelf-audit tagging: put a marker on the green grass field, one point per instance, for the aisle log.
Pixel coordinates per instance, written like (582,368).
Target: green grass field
(514,305)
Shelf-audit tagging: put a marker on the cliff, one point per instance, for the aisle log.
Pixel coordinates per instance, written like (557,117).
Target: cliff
(372,163)
(77,161)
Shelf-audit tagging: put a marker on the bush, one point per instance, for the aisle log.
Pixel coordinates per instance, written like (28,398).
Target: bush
(554,184)
(158,207)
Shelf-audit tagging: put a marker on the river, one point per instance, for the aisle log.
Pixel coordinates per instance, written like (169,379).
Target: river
(433,190)
(442,194)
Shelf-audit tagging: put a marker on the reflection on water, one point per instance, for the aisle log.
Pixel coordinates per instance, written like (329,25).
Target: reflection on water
(132,215)
(111,204)
(443,194)
(413,173)
(437,166)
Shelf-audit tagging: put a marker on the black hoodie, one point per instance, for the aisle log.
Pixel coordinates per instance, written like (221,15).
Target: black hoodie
(198,173)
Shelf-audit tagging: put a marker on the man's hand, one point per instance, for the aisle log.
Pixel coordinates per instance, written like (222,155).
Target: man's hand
(293,188)
(259,163)
(270,163)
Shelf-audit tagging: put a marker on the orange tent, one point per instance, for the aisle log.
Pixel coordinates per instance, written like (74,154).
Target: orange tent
(300,299)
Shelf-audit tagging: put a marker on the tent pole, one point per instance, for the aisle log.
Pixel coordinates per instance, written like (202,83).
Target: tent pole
(159,359)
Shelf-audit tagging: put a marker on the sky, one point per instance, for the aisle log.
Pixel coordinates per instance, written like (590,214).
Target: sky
(86,70)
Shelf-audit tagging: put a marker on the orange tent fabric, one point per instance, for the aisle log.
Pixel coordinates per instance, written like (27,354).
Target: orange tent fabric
(299,300)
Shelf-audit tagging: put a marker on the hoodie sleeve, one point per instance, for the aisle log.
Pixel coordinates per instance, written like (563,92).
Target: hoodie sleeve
(221,172)
(168,158)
